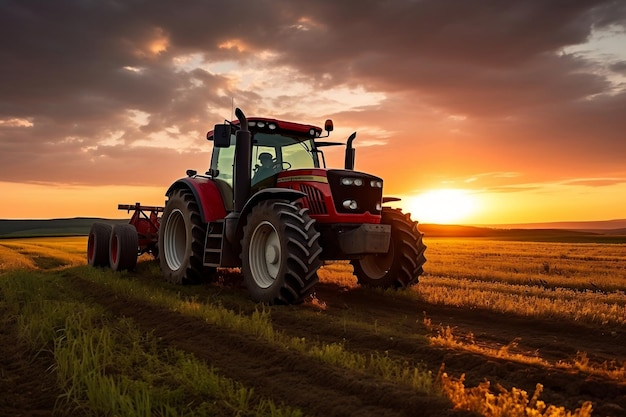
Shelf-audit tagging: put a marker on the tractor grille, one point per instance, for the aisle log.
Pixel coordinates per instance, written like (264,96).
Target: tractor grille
(314,199)
(366,196)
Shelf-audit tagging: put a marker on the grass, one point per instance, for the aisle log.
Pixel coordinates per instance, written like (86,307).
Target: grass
(573,282)
(107,366)
(595,267)
(445,336)
(526,300)
(505,403)
(259,325)
(577,282)
(568,282)
(42,253)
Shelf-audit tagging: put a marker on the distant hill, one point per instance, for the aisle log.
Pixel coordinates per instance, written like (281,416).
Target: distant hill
(602,226)
(526,234)
(54,227)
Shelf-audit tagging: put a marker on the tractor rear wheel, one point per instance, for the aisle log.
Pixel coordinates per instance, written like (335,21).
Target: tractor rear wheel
(280,253)
(181,240)
(98,245)
(123,247)
(402,265)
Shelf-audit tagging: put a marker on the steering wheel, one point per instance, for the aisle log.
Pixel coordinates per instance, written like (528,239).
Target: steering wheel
(279,166)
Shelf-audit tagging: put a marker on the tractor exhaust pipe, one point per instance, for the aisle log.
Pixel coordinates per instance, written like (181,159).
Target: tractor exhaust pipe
(243,164)
(350,153)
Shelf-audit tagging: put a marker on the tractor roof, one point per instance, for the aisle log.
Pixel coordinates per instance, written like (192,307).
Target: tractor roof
(265,125)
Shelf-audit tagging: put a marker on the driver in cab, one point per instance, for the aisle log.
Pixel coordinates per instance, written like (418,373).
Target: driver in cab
(265,170)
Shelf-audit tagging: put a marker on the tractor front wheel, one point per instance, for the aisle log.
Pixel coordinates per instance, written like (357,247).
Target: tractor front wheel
(402,265)
(280,253)
(181,240)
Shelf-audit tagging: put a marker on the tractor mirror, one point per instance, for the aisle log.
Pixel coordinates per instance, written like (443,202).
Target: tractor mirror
(221,136)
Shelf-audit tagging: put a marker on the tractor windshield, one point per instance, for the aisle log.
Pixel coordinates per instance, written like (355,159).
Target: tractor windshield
(271,153)
(287,151)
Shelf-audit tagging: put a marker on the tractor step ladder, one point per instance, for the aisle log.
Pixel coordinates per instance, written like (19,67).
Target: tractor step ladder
(213,244)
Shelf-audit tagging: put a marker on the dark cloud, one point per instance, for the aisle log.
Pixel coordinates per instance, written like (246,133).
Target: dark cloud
(73,71)
(619,67)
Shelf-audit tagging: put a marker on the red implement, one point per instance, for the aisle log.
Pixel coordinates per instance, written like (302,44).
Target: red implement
(147,221)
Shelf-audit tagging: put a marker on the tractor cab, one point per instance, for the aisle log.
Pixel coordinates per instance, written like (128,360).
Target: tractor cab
(276,146)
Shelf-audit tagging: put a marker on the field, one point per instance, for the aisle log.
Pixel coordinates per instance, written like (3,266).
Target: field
(494,328)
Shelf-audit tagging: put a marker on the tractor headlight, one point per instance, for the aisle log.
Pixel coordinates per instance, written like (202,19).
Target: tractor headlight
(376,184)
(352,181)
(350,204)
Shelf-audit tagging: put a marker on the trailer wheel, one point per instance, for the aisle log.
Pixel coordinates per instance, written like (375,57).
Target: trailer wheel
(123,247)
(181,240)
(98,245)
(280,253)
(402,265)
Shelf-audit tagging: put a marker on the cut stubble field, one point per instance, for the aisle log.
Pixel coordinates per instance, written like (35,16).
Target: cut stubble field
(493,328)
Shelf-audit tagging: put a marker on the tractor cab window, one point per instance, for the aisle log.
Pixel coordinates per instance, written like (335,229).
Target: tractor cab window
(223,160)
(271,154)
(289,152)
(300,155)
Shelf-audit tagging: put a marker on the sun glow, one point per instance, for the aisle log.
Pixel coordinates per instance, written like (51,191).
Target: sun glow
(443,206)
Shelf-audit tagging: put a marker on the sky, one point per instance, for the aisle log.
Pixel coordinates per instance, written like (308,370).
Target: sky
(481,112)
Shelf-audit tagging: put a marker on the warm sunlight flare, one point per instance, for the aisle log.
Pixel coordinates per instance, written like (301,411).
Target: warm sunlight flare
(442,206)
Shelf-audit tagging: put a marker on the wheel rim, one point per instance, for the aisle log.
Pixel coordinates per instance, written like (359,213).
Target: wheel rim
(377,266)
(175,240)
(91,247)
(113,249)
(264,254)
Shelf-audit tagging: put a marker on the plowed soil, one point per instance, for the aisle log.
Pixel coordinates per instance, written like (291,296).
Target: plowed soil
(322,390)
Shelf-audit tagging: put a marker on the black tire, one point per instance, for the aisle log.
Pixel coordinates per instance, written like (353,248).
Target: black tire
(123,247)
(403,264)
(181,240)
(280,253)
(98,245)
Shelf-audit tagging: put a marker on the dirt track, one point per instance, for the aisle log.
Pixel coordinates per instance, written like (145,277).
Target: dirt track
(323,390)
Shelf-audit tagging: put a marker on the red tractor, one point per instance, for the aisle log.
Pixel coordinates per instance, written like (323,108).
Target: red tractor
(279,220)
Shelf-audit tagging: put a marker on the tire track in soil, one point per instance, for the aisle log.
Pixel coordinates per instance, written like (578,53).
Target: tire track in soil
(561,340)
(276,373)
(28,387)
(553,340)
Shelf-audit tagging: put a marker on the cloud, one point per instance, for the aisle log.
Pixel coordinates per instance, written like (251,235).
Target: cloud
(104,92)
(597,182)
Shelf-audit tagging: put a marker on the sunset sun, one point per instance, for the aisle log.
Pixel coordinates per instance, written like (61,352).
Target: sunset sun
(442,206)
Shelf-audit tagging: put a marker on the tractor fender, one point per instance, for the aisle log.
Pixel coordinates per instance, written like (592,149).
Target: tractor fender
(270,194)
(262,195)
(207,196)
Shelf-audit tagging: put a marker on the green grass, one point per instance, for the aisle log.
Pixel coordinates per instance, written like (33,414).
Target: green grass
(258,324)
(107,366)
